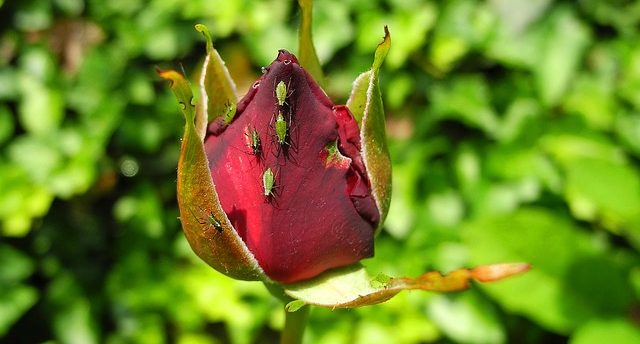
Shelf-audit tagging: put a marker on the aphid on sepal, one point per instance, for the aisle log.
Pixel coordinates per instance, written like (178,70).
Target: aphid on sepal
(230,112)
(211,220)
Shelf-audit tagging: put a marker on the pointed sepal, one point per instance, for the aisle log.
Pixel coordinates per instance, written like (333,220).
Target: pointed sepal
(365,102)
(307,55)
(352,287)
(217,90)
(204,223)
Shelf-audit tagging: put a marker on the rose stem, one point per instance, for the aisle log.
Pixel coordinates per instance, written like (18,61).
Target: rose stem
(294,325)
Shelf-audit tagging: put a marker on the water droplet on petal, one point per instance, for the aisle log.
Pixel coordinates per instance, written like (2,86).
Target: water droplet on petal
(256,84)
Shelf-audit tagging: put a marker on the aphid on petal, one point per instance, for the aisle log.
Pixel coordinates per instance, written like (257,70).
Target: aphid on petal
(281,129)
(254,141)
(268,182)
(281,93)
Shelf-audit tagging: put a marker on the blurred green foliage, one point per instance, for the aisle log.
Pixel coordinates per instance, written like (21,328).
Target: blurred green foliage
(515,134)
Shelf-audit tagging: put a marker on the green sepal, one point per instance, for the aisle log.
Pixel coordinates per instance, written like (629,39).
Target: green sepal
(365,102)
(217,89)
(351,286)
(219,245)
(307,56)
(294,305)
(182,90)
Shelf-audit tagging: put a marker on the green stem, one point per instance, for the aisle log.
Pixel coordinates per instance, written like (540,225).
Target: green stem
(294,325)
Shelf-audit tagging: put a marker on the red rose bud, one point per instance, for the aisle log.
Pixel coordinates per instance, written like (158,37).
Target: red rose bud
(284,185)
(290,176)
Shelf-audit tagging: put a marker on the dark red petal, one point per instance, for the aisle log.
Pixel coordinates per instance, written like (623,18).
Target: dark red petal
(358,188)
(321,215)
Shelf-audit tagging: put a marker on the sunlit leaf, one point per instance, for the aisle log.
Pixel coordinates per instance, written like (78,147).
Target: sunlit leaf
(600,191)
(560,55)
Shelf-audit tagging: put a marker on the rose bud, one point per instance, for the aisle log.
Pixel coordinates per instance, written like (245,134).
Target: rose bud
(290,193)
(290,176)
(285,187)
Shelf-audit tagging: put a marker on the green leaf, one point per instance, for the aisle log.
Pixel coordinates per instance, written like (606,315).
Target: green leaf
(564,42)
(42,108)
(467,318)
(571,280)
(569,146)
(459,28)
(22,200)
(627,128)
(15,298)
(619,331)
(516,38)
(217,89)
(218,245)
(351,286)
(14,302)
(414,21)
(365,102)
(307,55)
(598,190)
(72,319)
(630,76)
(592,98)
(17,266)
(466,99)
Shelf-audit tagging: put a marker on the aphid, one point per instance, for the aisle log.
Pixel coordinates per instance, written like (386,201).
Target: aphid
(281,92)
(254,141)
(268,182)
(281,129)
(229,113)
(211,219)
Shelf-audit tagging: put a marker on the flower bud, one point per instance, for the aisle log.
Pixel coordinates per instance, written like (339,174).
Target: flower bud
(290,176)
(301,185)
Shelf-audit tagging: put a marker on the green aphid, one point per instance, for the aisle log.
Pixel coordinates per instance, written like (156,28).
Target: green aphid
(230,113)
(268,182)
(281,93)
(254,141)
(281,129)
(211,219)
(380,281)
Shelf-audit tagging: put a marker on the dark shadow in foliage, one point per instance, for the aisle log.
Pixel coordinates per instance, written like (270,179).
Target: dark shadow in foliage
(596,287)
